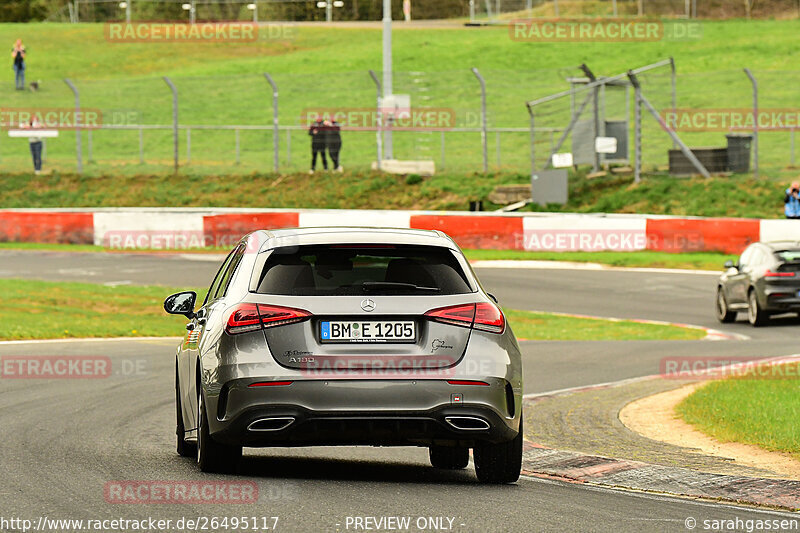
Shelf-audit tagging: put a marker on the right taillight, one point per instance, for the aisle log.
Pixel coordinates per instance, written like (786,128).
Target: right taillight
(771,274)
(483,316)
(251,317)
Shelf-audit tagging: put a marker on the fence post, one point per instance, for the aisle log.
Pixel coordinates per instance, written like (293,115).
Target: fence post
(443,150)
(497,142)
(236,134)
(289,148)
(755,121)
(484,122)
(379,133)
(89,145)
(188,145)
(685,149)
(674,82)
(275,125)
(533,140)
(141,146)
(637,135)
(78,149)
(174,120)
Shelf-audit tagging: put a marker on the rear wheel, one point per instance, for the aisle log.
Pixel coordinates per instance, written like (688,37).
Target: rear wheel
(450,458)
(499,463)
(755,313)
(724,315)
(211,455)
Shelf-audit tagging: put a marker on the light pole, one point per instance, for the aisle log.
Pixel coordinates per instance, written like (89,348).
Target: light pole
(127,7)
(388,88)
(254,9)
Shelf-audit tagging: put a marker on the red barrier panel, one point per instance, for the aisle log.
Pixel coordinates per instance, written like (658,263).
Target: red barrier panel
(728,235)
(227,229)
(481,232)
(64,228)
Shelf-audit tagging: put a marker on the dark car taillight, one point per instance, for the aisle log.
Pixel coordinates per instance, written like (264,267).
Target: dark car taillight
(483,316)
(251,317)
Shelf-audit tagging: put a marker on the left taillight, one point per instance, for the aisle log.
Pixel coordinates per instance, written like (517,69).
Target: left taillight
(251,317)
(483,316)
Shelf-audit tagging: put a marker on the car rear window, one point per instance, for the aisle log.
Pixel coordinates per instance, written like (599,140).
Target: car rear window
(347,270)
(788,256)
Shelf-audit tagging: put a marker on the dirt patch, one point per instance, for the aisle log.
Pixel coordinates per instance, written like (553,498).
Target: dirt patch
(654,417)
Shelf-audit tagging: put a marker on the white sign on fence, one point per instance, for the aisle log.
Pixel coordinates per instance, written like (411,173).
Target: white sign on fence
(33,133)
(605,145)
(562,160)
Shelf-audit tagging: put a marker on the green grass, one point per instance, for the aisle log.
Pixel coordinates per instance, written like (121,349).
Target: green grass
(50,310)
(553,327)
(644,259)
(763,411)
(732,197)
(222,83)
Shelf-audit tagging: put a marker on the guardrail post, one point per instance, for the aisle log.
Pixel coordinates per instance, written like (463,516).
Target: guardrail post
(78,149)
(275,125)
(236,133)
(533,141)
(484,122)
(174,120)
(755,121)
(141,146)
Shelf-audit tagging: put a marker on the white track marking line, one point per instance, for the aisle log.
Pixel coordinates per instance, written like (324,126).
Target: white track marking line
(570,265)
(90,339)
(691,500)
(701,374)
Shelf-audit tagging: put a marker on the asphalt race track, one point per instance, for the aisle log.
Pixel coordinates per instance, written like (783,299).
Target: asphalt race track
(64,440)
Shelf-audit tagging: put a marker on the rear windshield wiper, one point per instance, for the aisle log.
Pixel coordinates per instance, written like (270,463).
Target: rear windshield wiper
(392,285)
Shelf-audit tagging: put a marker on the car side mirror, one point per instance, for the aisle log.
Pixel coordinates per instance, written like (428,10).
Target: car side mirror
(729,264)
(181,303)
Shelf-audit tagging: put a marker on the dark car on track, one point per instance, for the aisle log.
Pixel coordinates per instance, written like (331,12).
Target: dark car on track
(349,336)
(764,281)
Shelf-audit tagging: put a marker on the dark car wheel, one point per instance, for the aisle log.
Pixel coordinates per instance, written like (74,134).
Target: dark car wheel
(185,449)
(213,456)
(755,314)
(448,457)
(499,463)
(724,315)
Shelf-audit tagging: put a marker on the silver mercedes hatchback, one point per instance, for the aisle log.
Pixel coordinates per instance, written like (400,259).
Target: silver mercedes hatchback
(349,336)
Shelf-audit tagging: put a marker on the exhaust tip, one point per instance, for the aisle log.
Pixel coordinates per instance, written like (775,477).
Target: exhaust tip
(275,423)
(467,423)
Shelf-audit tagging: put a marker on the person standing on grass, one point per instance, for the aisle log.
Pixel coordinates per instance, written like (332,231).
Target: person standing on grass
(36,147)
(333,140)
(317,133)
(18,55)
(791,201)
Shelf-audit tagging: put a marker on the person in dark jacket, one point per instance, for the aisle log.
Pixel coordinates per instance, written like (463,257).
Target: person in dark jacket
(333,140)
(791,201)
(318,134)
(18,55)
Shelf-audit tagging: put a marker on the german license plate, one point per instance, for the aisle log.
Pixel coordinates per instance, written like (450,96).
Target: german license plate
(388,331)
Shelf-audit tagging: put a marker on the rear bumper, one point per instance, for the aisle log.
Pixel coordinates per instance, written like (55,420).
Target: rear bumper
(781,299)
(364,412)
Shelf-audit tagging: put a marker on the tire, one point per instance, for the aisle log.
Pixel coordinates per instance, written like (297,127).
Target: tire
(449,458)
(212,456)
(499,463)
(184,449)
(724,315)
(755,314)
